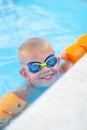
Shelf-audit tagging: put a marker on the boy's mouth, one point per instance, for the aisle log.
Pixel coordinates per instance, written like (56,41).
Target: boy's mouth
(47,77)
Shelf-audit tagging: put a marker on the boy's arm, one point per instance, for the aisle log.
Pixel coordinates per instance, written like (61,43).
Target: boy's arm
(73,53)
(67,62)
(70,56)
(66,66)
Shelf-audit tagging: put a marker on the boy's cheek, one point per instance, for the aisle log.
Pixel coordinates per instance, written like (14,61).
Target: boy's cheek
(34,76)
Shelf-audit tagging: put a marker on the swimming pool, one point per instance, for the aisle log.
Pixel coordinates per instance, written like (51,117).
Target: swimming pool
(58,22)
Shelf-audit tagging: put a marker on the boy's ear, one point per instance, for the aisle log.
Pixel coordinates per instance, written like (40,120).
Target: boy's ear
(24,74)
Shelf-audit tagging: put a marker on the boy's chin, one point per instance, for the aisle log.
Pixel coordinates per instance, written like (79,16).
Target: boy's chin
(48,84)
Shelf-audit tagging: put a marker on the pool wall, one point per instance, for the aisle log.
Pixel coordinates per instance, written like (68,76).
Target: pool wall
(62,107)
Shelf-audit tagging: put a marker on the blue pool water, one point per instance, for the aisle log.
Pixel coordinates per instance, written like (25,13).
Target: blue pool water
(59,22)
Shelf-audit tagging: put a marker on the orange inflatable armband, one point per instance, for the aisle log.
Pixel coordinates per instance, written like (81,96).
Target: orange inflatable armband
(82,41)
(74,52)
(4,119)
(12,104)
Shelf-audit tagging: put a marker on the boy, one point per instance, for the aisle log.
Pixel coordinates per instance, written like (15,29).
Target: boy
(40,67)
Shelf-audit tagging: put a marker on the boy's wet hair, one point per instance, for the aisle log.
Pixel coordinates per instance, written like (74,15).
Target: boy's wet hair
(32,47)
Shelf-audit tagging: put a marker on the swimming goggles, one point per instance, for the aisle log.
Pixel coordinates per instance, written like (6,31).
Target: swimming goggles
(35,67)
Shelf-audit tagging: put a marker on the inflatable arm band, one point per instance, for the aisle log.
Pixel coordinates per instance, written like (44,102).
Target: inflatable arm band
(77,50)
(11,104)
(82,41)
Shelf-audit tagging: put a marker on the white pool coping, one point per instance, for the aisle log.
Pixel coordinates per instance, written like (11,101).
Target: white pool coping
(62,107)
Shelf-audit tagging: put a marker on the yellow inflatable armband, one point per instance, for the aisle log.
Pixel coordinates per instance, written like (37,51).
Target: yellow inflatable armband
(82,41)
(74,52)
(4,119)
(11,104)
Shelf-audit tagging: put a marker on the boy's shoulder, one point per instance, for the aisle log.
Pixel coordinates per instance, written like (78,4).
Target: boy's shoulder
(25,91)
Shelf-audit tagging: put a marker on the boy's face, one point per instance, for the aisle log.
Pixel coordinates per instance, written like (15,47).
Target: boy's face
(46,76)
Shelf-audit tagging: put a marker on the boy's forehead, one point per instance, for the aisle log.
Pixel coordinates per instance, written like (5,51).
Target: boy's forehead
(39,56)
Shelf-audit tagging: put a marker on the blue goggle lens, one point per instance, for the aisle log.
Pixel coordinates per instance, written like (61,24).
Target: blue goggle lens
(51,62)
(34,67)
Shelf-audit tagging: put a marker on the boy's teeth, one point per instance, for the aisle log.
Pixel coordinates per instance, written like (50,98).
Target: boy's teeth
(47,77)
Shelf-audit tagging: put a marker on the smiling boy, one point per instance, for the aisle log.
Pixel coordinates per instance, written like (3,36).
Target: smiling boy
(40,65)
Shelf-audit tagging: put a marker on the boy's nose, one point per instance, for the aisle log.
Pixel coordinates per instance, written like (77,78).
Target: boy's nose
(45,68)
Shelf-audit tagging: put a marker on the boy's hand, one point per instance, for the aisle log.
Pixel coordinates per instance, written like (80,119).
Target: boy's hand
(12,115)
(63,55)
(67,62)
